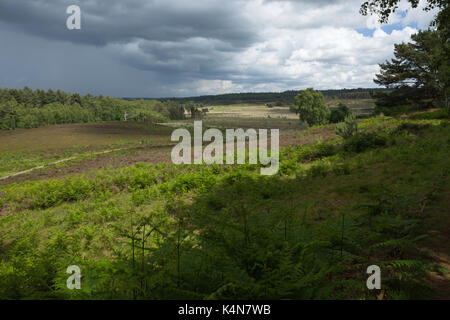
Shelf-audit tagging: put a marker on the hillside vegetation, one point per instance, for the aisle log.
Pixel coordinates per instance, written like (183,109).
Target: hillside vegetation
(224,232)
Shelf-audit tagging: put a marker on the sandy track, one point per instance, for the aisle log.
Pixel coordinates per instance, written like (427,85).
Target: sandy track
(56,162)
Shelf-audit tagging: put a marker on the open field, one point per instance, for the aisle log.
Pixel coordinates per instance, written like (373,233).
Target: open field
(251,111)
(140,227)
(247,116)
(80,136)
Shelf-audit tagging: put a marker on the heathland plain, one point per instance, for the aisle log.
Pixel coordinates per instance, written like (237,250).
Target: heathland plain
(140,227)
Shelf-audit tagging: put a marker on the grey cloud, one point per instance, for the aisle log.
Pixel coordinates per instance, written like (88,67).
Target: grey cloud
(107,21)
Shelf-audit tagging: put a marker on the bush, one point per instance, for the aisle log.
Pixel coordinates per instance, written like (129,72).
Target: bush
(339,114)
(348,128)
(438,114)
(363,141)
(287,167)
(319,169)
(176,111)
(342,169)
(310,153)
(412,127)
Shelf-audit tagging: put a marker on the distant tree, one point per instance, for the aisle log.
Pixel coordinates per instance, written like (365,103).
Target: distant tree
(75,98)
(51,96)
(175,109)
(310,105)
(8,114)
(29,109)
(27,96)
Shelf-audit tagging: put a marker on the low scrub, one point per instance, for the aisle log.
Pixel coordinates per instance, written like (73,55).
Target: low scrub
(363,141)
(438,114)
(348,128)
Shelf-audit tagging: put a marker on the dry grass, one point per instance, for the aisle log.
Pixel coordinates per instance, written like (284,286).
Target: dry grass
(251,111)
(80,136)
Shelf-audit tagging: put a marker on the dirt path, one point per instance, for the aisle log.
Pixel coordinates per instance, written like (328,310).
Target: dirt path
(56,162)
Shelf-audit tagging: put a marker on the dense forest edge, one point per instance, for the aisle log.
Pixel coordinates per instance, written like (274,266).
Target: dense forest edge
(28,108)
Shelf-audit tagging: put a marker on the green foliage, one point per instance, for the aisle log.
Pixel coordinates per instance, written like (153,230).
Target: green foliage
(175,110)
(311,107)
(310,153)
(348,128)
(30,109)
(393,111)
(438,114)
(413,127)
(363,141)
(384,8)
(418,74)
(339,114)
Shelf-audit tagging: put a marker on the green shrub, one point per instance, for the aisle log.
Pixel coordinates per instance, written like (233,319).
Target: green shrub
(310,153)
(412,127)
(339,114)
(363,141)
(438,114)
(287,167)
(342,169)
(348,128)
(319,169)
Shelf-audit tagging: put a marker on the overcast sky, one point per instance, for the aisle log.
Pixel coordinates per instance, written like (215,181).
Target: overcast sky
(165,48)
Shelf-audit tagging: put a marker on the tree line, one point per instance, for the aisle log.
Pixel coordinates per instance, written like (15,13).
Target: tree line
(28,108)
(277,98)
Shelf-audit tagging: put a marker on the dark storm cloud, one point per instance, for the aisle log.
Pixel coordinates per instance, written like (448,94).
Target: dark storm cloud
(185,39)
(192,57)
(106,21)
(315,3)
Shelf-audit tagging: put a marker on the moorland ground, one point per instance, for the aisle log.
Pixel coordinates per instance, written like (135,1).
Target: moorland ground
(100,145)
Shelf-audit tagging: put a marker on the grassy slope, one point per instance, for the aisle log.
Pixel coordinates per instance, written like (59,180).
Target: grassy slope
(227,232)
